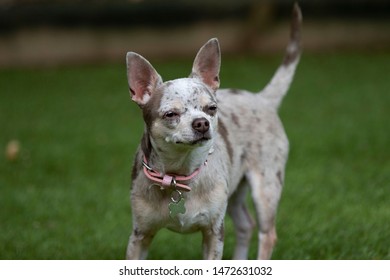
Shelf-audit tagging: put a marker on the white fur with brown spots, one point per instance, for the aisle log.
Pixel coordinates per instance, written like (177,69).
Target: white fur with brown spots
(189,121)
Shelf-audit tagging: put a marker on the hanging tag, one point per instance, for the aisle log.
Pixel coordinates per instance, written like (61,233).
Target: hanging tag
(177,205)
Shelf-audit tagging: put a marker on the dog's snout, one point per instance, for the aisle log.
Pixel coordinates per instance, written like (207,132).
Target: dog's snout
(201,125)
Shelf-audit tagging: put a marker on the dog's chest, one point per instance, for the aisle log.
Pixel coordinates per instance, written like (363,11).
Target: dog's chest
(198,214)
(189,222)
(201,211)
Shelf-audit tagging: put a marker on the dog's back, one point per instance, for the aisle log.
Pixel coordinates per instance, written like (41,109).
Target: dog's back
(249,121)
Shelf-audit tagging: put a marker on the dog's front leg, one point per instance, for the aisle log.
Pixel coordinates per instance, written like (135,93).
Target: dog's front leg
(138,245)
(213,242)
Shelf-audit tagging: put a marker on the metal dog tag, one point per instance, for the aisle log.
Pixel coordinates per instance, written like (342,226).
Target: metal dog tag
(177,205)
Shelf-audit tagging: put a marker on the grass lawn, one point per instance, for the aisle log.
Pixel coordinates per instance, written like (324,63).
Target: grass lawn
(67,194)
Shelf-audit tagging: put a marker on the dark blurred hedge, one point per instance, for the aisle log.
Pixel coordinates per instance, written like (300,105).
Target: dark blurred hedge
(19,13)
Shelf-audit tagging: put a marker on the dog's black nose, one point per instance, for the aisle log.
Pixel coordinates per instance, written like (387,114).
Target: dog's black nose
(201,125)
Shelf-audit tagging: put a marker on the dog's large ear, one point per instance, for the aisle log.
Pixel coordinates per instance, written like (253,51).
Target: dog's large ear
(142,78)
(207,63)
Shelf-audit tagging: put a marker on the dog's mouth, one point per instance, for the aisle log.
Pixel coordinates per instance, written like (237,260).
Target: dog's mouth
(199,141)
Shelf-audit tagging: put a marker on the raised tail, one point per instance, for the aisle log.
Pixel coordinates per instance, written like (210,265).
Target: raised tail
(280,82)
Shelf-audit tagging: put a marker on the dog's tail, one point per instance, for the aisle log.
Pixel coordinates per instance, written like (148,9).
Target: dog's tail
(280,82)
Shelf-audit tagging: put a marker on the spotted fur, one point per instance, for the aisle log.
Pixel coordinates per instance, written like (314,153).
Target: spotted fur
(189,121)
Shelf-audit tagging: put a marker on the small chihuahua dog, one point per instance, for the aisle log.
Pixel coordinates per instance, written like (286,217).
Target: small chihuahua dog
(203,148)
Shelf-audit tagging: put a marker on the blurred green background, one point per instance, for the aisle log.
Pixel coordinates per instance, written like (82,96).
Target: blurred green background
(69,130)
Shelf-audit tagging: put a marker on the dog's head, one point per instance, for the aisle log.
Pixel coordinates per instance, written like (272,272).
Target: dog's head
(181,112)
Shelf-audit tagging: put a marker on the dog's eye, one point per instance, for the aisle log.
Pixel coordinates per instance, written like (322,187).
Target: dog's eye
(212,110)
(170,115)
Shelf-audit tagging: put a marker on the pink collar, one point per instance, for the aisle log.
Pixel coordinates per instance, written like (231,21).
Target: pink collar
(169,180)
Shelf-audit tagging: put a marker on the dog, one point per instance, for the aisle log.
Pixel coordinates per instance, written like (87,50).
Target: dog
(203,148)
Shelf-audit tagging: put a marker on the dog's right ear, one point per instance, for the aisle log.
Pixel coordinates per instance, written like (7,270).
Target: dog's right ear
(142,78)
(207,63)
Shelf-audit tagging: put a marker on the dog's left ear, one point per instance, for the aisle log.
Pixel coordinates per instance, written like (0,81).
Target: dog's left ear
(207,63)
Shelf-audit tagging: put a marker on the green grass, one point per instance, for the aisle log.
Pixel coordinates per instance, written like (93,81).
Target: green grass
(67,195)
